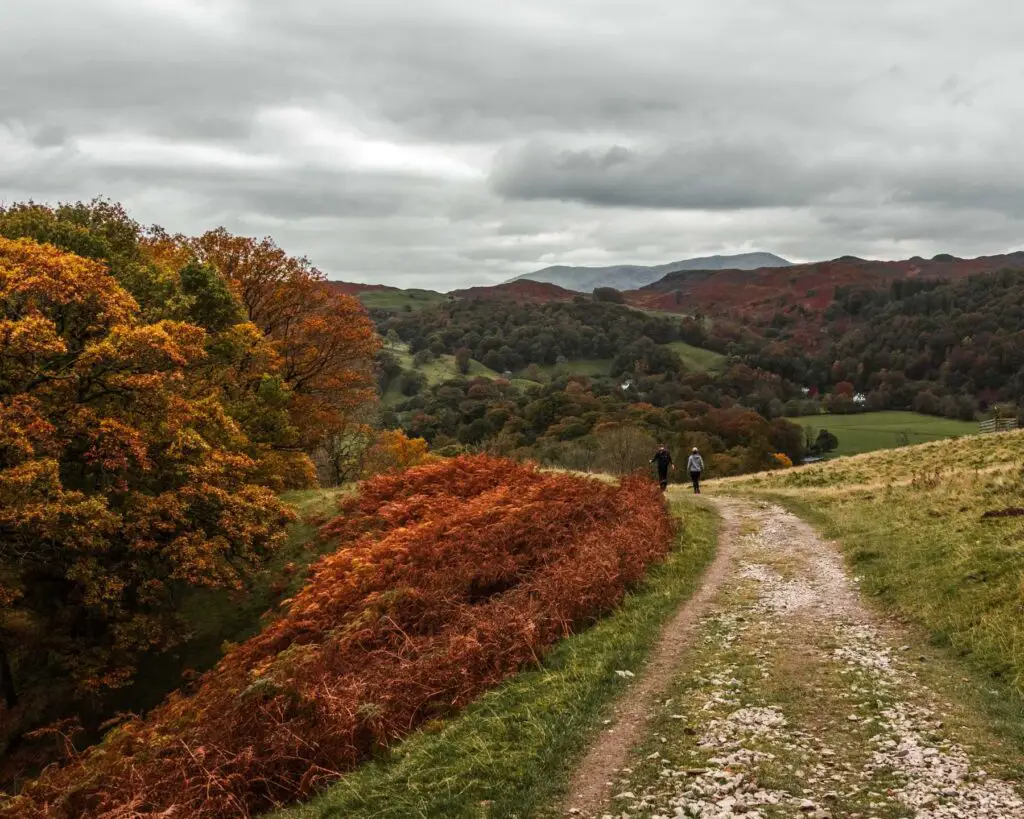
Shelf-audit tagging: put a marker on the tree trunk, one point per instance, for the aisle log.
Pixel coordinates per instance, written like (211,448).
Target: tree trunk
(7,689)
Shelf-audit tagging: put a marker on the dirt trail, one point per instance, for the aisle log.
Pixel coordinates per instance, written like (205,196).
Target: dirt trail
(775,692)
(591,785)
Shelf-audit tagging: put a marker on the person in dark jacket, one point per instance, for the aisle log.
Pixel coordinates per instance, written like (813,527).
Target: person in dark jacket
(695,466)
(664,461)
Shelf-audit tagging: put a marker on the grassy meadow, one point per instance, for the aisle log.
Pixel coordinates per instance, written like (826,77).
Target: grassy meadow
(512,752)
(694,358)
(697,358)
(396,300)
(918,529)
(870,431)
(441,369)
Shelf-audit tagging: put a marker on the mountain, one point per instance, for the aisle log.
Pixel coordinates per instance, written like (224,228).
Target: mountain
(811,287)
(633,277)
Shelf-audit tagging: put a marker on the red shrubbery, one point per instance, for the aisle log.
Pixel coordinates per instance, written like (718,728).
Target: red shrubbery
(452,577)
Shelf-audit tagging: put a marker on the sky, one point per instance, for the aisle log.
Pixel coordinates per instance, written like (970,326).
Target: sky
(446,143)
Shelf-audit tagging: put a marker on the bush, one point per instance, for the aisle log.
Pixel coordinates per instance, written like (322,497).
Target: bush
(449,578)
(394,451)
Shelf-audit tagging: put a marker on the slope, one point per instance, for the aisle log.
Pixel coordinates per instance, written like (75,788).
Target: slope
(795,697)
(934,532)
(811,286)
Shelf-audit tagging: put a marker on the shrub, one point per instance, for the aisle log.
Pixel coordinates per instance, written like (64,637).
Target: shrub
(450,577)
(393,450)
(782,460)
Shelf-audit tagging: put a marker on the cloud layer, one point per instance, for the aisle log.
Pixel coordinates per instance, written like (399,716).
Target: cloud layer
(449,142)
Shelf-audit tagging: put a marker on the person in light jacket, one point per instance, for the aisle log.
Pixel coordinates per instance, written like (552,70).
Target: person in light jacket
(695,466)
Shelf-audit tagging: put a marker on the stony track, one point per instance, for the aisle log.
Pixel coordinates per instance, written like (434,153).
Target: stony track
(777,692)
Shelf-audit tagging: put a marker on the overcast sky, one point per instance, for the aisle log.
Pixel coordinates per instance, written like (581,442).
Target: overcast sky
(440,143)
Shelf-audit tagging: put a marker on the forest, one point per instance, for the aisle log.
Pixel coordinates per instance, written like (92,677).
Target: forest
(506,336)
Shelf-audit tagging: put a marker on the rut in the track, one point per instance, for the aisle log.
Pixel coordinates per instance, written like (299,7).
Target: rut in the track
(776,692)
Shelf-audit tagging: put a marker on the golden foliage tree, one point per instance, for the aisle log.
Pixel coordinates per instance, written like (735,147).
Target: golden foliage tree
(124,476)
(394,451)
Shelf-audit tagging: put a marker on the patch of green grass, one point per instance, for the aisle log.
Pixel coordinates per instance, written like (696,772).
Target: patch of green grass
(396,300)
(219,616)
(871,431)
(513,751)
(694,358)
(697,358)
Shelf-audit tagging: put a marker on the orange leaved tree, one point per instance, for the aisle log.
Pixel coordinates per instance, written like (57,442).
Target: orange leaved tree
(326,340)
(123,482)
(163,276)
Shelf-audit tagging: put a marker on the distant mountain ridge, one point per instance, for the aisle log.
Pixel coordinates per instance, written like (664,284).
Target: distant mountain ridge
(633,277)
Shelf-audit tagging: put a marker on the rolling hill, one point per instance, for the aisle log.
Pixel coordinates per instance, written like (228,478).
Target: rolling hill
(811,286)
(522,291)
(631,277)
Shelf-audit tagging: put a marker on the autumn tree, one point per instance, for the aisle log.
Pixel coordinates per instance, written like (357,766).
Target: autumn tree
(124,478)
(325,339)
(394,451)
(162,273)
(102,231)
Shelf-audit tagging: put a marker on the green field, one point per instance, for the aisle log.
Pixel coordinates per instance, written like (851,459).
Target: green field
(697,358)
(870,431)
(396,300)
(694,358)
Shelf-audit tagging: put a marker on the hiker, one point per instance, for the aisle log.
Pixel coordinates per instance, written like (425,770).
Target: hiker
(664,461)
(695,466)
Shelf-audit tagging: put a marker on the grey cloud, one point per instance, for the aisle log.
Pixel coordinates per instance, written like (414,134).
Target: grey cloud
(593,131)
(715,176)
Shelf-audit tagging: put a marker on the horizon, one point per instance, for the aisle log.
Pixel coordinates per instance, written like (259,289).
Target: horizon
(794,262)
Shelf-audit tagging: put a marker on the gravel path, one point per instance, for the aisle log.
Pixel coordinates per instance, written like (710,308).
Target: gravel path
(790,698)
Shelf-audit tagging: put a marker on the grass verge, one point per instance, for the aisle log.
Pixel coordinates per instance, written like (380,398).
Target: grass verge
(511,753)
